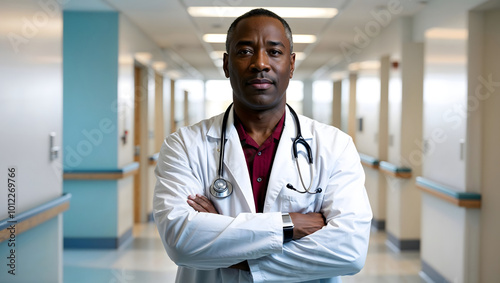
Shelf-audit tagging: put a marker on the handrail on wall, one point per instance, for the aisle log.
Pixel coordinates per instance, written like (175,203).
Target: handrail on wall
(394,170)
(34,217)
(104,174)
(461,199)
(369,161)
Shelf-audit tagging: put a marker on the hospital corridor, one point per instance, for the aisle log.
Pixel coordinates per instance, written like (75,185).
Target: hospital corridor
(121,123)
(144,260)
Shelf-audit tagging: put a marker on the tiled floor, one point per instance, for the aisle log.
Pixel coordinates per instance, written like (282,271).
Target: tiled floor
(144,260)
(384,265)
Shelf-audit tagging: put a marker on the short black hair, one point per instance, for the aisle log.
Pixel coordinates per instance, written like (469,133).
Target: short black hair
(255,13)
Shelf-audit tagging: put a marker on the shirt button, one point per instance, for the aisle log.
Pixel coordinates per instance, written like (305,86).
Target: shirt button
(259,179)
(259,153)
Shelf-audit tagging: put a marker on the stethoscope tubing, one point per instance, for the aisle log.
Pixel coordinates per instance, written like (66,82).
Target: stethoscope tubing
(298,139)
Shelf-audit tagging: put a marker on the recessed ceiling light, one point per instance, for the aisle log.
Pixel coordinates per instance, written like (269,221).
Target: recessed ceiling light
(446,33)
(285,12)
(303,38)
(221,38)
(214,38)
(143,57)
(159,65)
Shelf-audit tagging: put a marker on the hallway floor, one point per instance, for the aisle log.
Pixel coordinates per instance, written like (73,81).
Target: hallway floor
(144,260)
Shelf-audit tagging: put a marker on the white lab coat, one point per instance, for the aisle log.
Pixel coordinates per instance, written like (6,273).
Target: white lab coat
(203,245)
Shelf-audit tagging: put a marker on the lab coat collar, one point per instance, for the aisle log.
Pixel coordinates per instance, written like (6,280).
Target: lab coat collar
(283,160)
(235,168)
(215,129)
(236,164)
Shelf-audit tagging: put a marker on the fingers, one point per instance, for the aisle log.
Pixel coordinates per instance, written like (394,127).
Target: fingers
(201,203)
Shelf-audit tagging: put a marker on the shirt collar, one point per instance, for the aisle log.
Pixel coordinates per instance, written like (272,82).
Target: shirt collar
(244,136)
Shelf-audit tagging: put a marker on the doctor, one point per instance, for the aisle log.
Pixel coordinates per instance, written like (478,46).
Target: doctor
(278,218)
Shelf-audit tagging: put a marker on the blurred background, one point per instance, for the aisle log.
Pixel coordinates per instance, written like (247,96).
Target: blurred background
(90,88)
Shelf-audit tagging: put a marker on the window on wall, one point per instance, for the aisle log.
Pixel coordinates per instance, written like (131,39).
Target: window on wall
(195,95)
(322,101)
(219,96)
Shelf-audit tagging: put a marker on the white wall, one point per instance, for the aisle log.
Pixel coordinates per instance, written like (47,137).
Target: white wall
(322,97)
(394,116)
(30,109)
(132,40)
(30,101)
(442,13)
(445,111)
(454,113)
(344,114)
(490,230)
(367,108)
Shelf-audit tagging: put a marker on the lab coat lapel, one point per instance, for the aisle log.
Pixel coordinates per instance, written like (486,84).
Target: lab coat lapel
(282,164)
(236,164)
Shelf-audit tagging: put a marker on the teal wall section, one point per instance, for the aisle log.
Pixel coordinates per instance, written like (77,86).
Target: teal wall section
(94,209)
(90,127)
(34,264)
(90,67)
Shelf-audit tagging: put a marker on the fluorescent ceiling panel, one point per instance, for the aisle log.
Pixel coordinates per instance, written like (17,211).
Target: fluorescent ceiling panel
(446,33)
(285,12)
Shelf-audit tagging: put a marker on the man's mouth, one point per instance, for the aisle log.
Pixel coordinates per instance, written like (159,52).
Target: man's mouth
(261,83)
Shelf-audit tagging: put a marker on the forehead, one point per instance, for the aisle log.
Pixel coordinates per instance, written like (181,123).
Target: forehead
(260,26)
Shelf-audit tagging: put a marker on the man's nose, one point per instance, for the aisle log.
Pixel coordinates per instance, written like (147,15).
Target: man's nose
(260,61)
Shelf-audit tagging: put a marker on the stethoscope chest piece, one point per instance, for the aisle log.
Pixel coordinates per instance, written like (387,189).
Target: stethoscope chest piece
(221,188)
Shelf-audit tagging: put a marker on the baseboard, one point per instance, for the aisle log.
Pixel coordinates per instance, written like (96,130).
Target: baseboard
(403,245)
(432,274)
(97,243)
(378,224)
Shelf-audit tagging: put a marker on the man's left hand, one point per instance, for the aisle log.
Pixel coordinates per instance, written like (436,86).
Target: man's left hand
(201,203)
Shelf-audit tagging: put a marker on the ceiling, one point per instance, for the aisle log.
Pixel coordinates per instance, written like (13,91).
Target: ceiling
(168,23)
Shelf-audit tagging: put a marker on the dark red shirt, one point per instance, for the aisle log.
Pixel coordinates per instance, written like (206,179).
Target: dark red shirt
(259,159)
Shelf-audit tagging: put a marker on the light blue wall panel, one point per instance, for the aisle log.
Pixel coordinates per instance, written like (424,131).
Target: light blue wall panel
(94,209)
(36,251)
(90,74)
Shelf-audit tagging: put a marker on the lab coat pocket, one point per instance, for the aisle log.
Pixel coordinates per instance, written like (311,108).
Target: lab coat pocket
(293,201)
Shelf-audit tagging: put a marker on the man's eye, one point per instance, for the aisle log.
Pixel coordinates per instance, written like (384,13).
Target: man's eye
(245,52)
(275,52)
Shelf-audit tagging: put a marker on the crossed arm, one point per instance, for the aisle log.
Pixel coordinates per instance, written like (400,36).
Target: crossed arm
(304,224)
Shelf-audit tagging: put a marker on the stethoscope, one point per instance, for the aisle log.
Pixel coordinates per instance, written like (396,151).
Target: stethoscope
(222,188)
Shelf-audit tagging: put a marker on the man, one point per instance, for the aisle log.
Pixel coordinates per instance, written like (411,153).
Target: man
(242,237)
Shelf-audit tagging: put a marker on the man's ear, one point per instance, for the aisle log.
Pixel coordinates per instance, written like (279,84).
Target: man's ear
(292,64)
(225,60)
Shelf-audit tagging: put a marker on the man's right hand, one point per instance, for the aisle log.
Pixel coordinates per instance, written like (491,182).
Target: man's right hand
(306,224)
